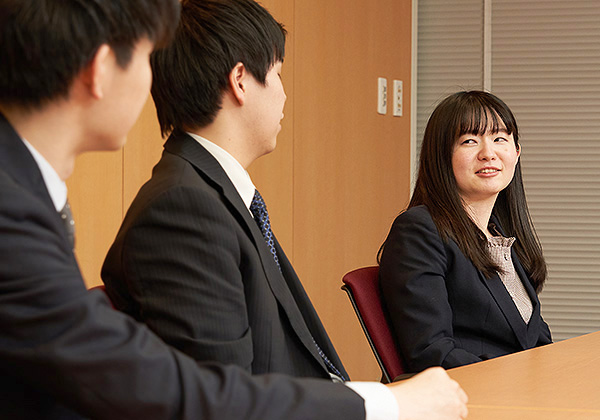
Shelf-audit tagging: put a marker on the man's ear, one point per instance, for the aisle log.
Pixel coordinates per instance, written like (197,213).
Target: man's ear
(94,75)
(237,82)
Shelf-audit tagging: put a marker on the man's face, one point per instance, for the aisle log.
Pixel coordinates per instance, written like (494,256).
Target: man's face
(266,111)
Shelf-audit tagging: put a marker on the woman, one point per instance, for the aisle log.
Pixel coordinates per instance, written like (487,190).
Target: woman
(462,266)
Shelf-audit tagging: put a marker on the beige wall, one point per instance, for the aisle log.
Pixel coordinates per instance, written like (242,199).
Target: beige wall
(340,172)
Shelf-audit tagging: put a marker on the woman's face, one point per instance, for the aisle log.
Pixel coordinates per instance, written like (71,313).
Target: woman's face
(484,165)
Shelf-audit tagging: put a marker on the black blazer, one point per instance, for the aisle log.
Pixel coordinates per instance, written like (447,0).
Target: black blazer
(62,346)
(191,263)
(443,310)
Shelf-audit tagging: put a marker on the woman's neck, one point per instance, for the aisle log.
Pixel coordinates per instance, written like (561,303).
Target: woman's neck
(480,213)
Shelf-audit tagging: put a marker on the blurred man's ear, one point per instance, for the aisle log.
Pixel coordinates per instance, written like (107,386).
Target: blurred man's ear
(93,77)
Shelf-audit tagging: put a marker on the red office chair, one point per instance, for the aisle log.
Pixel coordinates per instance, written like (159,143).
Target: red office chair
(362,286)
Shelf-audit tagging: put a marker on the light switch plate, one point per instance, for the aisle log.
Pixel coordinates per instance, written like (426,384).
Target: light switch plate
(382,95)
(397,92)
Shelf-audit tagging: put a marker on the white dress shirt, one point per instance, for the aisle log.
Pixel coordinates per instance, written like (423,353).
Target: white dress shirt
(56,186)
(380,403)
(235,171)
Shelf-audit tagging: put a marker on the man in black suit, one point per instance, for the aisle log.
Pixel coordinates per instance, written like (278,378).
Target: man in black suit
(190,260)
(73,78)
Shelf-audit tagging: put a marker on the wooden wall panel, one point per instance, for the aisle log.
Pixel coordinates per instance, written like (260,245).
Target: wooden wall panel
(103,186)
(140,154)
(95,195)
(351,164)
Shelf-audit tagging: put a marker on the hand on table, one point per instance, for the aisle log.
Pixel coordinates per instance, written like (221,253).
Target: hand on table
(430,395)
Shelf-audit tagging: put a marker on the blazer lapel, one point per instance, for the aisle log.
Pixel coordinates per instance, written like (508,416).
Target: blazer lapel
(309,316)
(284,285)
(17,161)
(507,306)
(533,328)
(184,146)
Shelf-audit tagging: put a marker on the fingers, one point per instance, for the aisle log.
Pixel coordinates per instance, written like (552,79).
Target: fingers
(463,399)
(431,395)
(462,395)
(437,370)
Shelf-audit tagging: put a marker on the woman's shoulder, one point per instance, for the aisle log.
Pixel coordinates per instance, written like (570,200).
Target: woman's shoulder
(416,214)
(415,220)
(413,230)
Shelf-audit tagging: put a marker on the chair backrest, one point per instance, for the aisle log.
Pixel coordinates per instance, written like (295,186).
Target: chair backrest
(362,286)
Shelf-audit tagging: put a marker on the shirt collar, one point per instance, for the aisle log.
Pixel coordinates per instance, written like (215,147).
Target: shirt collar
(235,171)
(55,185)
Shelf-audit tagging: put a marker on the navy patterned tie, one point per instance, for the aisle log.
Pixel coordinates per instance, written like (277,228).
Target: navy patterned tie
(261,216)
(67,218)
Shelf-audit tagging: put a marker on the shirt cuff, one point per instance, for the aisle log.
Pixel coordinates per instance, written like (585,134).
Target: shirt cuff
(380,403)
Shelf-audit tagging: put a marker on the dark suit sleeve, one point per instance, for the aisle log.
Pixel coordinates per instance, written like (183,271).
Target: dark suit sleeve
(67,342)
(413,281)
(545,335)
(181,262)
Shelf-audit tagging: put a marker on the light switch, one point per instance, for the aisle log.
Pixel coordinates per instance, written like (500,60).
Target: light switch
(397,92)
(382,95)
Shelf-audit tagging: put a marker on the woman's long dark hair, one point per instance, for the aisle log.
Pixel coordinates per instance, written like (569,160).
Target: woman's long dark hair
(474,112)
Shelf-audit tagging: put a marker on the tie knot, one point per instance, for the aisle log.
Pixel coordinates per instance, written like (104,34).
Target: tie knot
(259,211)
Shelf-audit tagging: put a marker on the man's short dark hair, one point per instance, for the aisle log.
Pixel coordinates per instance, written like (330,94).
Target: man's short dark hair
(46,43)
(191,74)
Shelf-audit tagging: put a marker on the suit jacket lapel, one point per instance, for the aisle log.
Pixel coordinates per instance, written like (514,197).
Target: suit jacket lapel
(184,146)
(309,315)
(507,306)
(17,161)
(533,328)
(285,286)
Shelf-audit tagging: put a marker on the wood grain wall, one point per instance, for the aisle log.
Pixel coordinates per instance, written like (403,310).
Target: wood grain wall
(340,172)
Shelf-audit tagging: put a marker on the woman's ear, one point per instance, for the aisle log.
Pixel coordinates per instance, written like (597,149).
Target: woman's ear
(519,148)
(237,82)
